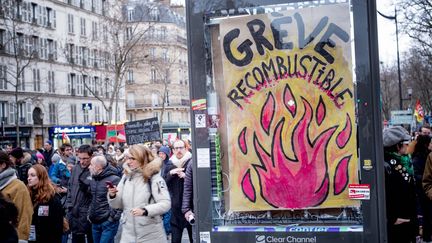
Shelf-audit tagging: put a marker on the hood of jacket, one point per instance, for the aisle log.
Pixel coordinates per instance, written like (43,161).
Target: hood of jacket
(152,168)
(167,151)
(107,171)
(6,177)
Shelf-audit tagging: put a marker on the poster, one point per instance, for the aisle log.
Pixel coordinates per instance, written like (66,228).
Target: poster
(288,101)
(142,131)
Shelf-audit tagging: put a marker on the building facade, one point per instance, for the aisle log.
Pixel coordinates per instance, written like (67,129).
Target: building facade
(53,69)
(158,86)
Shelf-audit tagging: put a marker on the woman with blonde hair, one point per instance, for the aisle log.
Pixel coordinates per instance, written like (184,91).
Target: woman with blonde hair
(143,196)
(47,221)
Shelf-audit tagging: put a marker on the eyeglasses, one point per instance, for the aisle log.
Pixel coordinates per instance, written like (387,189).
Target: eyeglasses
(178,148)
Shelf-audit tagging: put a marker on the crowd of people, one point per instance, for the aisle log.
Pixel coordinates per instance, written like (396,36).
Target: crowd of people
(408,181)
(136,193)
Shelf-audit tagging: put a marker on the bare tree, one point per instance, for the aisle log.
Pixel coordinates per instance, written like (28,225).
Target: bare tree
(417,24)
(20,46)
(163,68)
(109,53)
(416,71)
(389,89)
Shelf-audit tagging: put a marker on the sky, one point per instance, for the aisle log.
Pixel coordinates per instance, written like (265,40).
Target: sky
(387,33)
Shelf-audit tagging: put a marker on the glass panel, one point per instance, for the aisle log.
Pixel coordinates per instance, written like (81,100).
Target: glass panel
(283,119)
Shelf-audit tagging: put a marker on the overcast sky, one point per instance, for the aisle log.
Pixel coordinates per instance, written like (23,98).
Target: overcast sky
(387,33)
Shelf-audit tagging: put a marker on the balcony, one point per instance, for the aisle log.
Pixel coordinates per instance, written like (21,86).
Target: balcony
(146,105)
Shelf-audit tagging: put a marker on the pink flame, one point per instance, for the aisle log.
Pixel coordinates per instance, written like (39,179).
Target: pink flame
(267,113)
(289,100)
(247,186)
(242,141)
(320,112)
(341,175)
(343,137)
(280,187)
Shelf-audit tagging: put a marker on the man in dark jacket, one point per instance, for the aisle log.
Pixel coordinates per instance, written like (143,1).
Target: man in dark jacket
(105,220)
(48,152)
(79,197)
(175,179)
(22,162)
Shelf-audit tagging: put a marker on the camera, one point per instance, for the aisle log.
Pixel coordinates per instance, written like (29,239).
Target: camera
(191,219)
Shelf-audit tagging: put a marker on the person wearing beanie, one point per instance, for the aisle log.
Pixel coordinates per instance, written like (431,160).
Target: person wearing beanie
(164,153)
(15,190)
(48,152)
(22,161)
(402,222)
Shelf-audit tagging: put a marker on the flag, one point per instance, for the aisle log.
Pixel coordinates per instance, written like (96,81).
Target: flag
(419,113)
(65,138)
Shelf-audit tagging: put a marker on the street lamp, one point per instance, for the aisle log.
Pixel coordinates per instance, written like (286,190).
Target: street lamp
(397,51)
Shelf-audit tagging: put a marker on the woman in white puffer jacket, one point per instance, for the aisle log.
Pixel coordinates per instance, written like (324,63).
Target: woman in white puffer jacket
(143,196)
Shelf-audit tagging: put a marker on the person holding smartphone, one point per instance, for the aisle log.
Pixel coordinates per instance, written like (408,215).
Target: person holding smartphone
(105,220)
(143,195)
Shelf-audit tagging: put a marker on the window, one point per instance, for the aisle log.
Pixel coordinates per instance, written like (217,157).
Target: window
(44,17)
(131,117)
(156,114)
(153,74)
(97,114)
(94,30)
(163,33)
(83,27)
(130,77)
(43,48)
(152,52)
(129,33)
(165,54)
(85,85)
(51,49)
(79,90)
(105,33)
(154,14)
(131,99)
(71,83)
(12,109)
(3,77)
(51,82)
(52,109)
(36,80)
(86,116)
(180,76)
(3,112)
(70,24)
(28,113)
(21,81)
(130,14)
(97,84)
(155,99)
(73,113)
(169,116)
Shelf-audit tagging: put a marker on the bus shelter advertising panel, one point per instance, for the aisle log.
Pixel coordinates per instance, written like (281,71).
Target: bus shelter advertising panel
(277,111)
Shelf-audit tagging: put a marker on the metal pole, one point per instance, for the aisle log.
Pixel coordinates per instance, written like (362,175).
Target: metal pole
(398,62)
(397,53)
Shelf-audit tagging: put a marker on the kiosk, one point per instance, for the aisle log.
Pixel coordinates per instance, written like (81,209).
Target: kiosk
(286,127)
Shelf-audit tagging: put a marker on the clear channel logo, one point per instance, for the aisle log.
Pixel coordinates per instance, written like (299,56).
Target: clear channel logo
(284,239)
(260,238)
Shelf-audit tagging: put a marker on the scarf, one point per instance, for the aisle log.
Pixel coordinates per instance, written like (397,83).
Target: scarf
(6,177)
(405,161)
(179,163)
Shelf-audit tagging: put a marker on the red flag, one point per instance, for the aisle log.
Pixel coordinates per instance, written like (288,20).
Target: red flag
(419,113)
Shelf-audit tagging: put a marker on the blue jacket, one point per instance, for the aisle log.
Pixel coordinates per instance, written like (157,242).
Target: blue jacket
(59,174)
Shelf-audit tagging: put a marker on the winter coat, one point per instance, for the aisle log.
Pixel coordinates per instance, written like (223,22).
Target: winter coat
(17,192)
(164,170)
(60,174)
(48,221)
(187,203)
(175,187)
(400,197)
(100,210)
(427,177)
(78,199)
(134,192)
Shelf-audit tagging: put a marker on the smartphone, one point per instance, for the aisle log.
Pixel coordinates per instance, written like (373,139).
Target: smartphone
(109,184)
